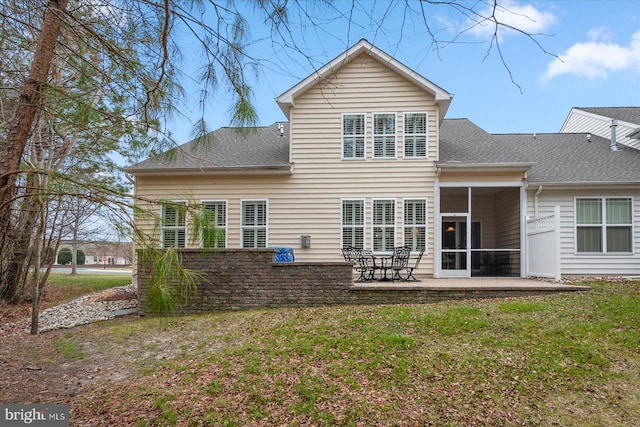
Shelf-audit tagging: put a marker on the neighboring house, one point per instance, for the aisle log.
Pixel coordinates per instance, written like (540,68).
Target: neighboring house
(102,252)
(621,125)
(368,160)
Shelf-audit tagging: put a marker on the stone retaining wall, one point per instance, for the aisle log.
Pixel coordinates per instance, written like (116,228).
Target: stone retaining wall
(242,279)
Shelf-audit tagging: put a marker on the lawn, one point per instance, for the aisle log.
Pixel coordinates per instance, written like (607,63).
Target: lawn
(567,359)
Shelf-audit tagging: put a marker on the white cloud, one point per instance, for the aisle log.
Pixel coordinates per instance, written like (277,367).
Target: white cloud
(596,59)
(525,18)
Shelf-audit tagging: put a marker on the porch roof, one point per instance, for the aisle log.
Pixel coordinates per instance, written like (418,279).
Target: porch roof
(558,158)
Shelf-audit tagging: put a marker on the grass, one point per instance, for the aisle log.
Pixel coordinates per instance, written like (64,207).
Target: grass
(67,287)
(567,359)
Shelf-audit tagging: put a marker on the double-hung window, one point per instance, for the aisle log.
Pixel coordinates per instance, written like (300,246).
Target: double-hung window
(384,135)
(383,224)
(415,224)
(352,223)
(174,227)
(254,224)
(415,135)
(353,132)
(604,225)
(214,231)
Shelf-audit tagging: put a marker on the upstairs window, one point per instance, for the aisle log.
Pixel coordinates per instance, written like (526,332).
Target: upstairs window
(353,131)
(604,225)
(383,224)
(216,213)
(415,135)
(254,224)
(384,135)
(352,224)
(415,224)
(174,229)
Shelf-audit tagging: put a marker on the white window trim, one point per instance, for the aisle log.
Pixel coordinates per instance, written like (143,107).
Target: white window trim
(226,219)
(426,219)
(395,222)
(186,222)
(602,226)
(374,134)
(364,219)
(242,227)
(364,156)
(426,135)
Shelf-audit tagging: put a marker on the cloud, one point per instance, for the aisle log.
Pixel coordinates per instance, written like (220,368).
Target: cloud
(523,17)
(596,58)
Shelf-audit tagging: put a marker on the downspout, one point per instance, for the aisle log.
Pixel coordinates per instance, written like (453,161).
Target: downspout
(613,145)
(436,227)
(535,201)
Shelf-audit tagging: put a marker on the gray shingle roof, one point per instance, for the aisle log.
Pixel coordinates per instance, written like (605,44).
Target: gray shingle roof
(627,114)
(226,149)
(557,158)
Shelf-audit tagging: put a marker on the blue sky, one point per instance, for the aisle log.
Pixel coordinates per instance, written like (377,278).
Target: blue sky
(597,44)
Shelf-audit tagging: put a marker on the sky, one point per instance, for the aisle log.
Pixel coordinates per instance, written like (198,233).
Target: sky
(581,54)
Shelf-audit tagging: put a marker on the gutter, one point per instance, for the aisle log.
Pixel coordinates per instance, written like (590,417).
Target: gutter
(249,170)
(535,201)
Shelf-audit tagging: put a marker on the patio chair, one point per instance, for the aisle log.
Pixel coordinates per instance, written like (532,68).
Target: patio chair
(366,265)
(399,261)
(410,268)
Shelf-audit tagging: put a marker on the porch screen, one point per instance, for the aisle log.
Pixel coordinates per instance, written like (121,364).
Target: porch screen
(352,223)
(174,230)
(604,225)
(254,224)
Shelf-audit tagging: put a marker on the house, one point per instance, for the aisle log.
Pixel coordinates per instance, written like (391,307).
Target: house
(367,159)
(621,125)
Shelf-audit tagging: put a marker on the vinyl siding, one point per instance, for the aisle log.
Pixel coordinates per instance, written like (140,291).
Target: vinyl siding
(591,264)
(585,122)
(309,201)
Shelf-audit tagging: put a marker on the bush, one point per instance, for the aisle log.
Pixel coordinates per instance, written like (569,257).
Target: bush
(80,258)
(64,256)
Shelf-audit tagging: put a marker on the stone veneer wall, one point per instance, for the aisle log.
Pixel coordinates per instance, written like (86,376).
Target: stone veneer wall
(242,279)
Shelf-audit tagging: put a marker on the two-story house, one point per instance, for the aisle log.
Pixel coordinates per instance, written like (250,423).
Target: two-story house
(367,159)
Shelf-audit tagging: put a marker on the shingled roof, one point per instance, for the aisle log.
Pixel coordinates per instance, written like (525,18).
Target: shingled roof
(626,114)
(558,158)
(226,150)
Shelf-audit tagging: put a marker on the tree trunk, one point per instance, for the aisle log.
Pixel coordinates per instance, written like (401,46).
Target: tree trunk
(19,130)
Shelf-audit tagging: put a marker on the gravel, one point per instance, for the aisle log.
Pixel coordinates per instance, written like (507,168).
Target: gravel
(80,311)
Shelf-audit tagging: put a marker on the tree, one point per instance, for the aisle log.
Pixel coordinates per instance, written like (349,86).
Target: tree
(86,78)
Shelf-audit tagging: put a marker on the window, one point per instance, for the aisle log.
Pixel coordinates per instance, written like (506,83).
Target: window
(604,225)
(415,135)
(415,224)
(352,223)
(384,135)
(353,128)
(216,213)
(254,224)
(174,230)
(383,224)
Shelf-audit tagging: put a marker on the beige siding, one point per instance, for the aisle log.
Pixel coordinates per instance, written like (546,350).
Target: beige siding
(309,201)
(591,264)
